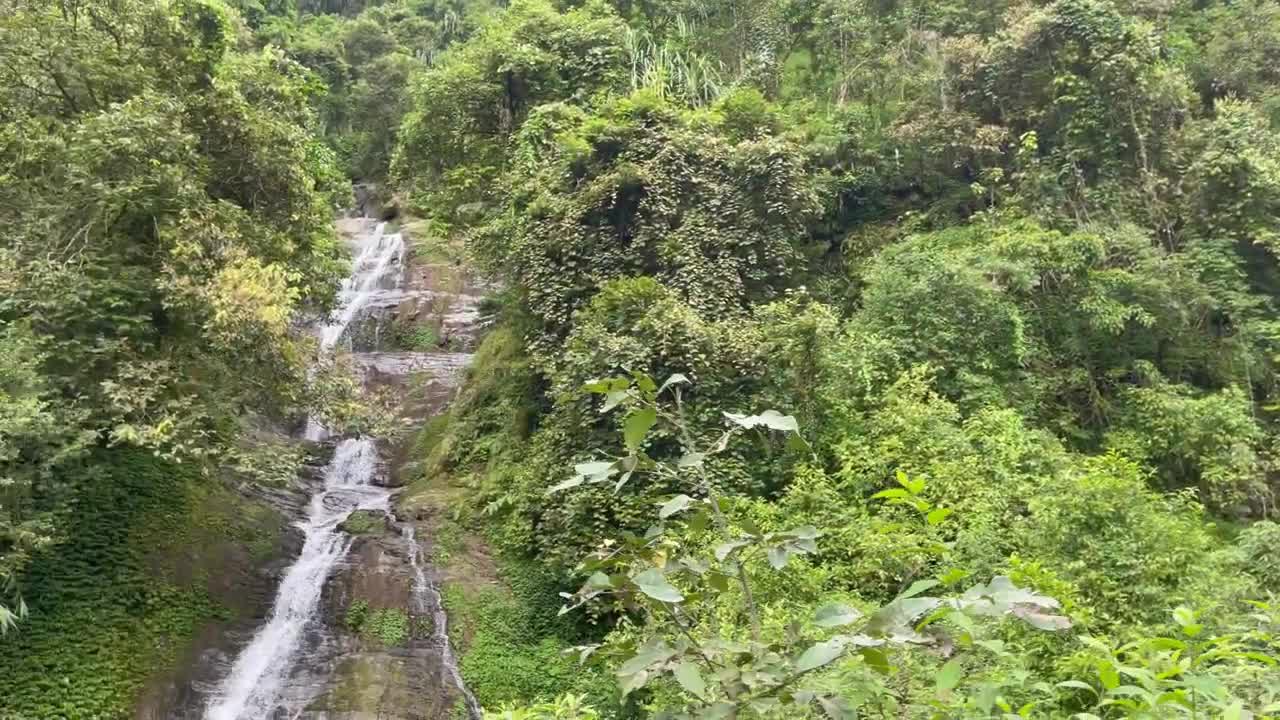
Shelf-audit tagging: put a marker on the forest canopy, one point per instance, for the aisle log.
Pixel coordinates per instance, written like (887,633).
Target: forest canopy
(850,358)
(1007,264)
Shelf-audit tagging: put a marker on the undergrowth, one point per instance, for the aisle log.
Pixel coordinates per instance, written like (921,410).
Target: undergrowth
(388,626)
(512,643)
(120,599)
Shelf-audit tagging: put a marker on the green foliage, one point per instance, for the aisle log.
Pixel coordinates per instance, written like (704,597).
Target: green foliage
(466,107)
(641,189)
(420,338)
(565,707)
(121,597)
(364,522)
(168,211)
(681,587)
(1026,252)
(357,615)
(514,647)
(387,626)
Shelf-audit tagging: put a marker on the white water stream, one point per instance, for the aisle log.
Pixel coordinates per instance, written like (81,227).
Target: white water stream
(378,270)
(427,599)
(252,688)
(255,687)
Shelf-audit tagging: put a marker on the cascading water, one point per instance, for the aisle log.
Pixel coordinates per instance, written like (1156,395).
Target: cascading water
(251,690)
(427,598)
(378,270)
(282,671)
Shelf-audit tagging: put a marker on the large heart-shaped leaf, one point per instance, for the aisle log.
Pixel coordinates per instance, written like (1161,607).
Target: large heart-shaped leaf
(653,583)
(819,654)
(771,419)
(690,678)
(637,426)
(835,615)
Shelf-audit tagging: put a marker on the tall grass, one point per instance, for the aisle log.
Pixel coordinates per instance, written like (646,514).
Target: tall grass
(673,69)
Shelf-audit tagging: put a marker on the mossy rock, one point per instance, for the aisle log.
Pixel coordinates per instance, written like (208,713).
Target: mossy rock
(364,522)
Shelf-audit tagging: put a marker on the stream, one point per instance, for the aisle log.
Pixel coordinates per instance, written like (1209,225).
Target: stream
(300,662)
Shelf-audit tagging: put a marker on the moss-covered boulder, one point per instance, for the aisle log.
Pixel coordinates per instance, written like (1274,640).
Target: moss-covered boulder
(365,522)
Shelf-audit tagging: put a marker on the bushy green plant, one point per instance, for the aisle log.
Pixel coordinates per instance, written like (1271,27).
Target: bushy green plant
(565,707)
(388,626)
(680,586)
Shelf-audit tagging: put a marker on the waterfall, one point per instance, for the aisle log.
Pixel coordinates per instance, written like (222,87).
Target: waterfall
(263,682)
(252,688)
(427,599)
(378,268)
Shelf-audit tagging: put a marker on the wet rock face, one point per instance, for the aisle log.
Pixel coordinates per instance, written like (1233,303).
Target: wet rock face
(245,584)
(384,660)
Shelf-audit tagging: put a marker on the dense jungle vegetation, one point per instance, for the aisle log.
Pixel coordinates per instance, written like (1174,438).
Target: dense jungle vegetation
(883,358)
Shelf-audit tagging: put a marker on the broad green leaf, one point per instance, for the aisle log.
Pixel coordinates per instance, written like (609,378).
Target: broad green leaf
(725,549)
(719,581)
(835,615)
(937,515)
(995,646)
(778,557)
(699,521)
(653,583)
(1041,621)
(650,654)
(915,487)
(637,426)
(690,678)
(613,399)
(899,616)
(1108,675)
(820,654)
(675,379)
(948,676)
(593,471)
(674,505)
(1078,685)
(918,587)
(876,659)
(891,494)
(836,708)
(771,419)
(635,681)
(570,483)
(693,459)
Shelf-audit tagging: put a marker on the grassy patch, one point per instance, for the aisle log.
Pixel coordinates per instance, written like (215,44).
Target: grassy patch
(431,243)
(388,626)
(419,338)
(364,522)
(512,643)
